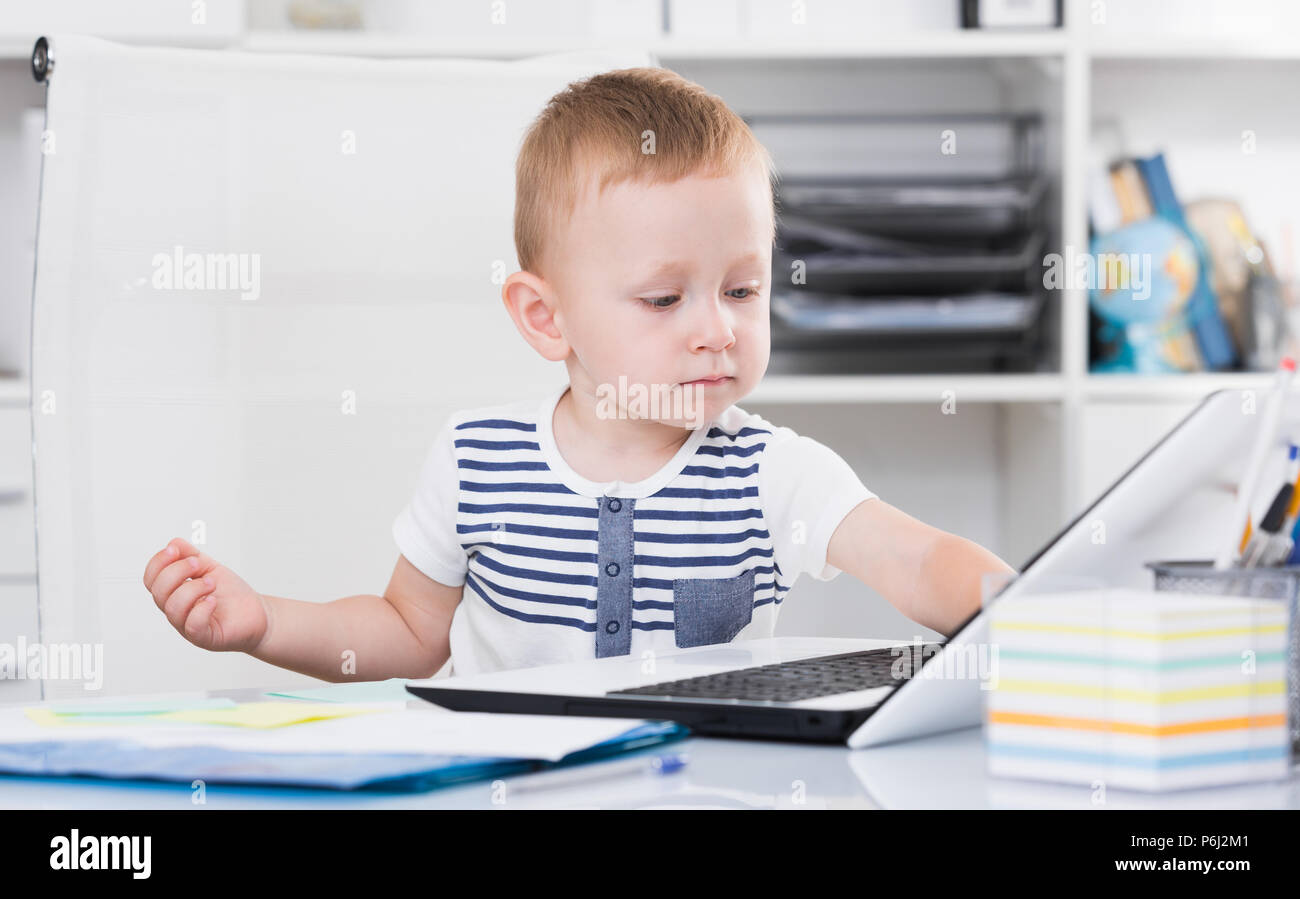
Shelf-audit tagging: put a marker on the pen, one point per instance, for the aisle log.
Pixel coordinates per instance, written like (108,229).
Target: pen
(1264,438)
(1262,548)
(1271,549)
(658,765)
(1283,541)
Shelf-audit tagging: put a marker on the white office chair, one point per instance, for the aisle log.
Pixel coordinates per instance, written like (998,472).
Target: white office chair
(277,403)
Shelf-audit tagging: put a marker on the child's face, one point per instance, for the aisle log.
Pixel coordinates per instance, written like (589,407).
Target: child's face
(701,249)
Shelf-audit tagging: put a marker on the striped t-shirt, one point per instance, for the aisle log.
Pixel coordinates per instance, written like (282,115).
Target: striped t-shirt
(558,568)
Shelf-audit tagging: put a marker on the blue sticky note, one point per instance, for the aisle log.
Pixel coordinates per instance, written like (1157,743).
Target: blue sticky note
(391,690)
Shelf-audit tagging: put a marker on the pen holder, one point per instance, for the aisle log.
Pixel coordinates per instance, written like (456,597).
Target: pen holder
(1273,583)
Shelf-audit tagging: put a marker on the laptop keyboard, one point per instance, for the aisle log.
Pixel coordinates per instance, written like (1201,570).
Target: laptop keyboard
(797,680)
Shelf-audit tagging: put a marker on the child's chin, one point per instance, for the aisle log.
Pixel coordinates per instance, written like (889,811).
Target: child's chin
(700,417)
(689,424)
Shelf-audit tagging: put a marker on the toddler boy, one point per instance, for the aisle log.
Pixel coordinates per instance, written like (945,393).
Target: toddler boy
(638,508)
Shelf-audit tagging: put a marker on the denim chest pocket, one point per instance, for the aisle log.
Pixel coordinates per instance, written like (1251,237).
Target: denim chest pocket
(711,610)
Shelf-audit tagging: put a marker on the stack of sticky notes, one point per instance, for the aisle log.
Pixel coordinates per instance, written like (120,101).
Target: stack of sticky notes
(1139,690)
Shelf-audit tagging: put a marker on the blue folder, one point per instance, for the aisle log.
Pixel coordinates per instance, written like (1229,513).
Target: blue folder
(116,759)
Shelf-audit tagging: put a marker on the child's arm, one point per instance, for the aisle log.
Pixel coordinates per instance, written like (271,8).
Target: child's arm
(403,633)
(931,576)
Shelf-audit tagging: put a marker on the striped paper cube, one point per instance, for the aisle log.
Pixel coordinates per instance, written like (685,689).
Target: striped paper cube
(1138,690)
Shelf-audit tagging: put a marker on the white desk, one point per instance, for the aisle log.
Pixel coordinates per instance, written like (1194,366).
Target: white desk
(945,771)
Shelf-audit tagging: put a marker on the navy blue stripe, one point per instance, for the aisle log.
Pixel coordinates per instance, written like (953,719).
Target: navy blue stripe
(466,442)
(538,597)
(659,606)
(697,515)
(749,450)
(743,432)
(666,605)
(513,487)
(701,561)
(526,616)
(510,527)
(709,471)
(480,465)
(643,537)
(505,423)
(659,583)
(532,574)
(492,508)
(707,493)
(534,552)
(570,622)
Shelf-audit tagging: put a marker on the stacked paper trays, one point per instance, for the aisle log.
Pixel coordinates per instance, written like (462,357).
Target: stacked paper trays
(1132,689)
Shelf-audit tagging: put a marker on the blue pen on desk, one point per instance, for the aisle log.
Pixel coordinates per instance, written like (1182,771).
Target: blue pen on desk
(661,764)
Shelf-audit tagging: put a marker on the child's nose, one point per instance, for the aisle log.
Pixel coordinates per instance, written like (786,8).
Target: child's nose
(713,328)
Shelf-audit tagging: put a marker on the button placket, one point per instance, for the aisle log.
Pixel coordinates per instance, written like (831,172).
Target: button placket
(615,546)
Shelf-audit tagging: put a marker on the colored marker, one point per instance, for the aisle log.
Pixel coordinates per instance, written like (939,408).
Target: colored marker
(1283,541)
(1264,437)
(1259,548)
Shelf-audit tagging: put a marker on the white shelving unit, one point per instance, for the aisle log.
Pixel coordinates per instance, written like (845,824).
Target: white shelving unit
(831,389)
(974,45)
(1069,57)
(1023,453)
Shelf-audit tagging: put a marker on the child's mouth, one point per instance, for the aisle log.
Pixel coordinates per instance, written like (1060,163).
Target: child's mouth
(709,382)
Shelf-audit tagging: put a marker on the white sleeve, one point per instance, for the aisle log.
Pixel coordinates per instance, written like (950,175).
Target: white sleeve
(425,530)
(806,490)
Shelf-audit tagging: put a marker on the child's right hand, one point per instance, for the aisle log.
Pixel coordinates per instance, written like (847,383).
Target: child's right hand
(206,602)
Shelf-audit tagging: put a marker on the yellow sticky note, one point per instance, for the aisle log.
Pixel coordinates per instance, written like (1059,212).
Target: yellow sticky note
(115,712)
(51,718)
(266,714)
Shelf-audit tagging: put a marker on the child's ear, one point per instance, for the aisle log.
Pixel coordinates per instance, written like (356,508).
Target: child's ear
(533,309)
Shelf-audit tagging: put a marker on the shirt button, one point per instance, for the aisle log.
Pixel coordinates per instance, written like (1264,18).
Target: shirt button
(611,627)
(615,504)
(612,569)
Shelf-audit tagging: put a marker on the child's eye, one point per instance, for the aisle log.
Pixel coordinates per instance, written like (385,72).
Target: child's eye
(665,301)
(660,302)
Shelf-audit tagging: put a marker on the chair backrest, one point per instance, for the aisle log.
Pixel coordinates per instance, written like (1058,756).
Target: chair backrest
(262,283)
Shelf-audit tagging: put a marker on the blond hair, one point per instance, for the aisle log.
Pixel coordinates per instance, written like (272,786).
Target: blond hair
(601,124)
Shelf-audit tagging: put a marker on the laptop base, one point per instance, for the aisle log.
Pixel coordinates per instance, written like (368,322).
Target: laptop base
(705,718)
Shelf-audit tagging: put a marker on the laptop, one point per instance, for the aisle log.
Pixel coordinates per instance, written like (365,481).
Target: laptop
(863,692)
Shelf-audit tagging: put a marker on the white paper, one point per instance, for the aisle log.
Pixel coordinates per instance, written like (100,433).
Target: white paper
(392,731)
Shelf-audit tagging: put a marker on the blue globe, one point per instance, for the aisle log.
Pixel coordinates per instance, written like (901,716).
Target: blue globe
(1144,272)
